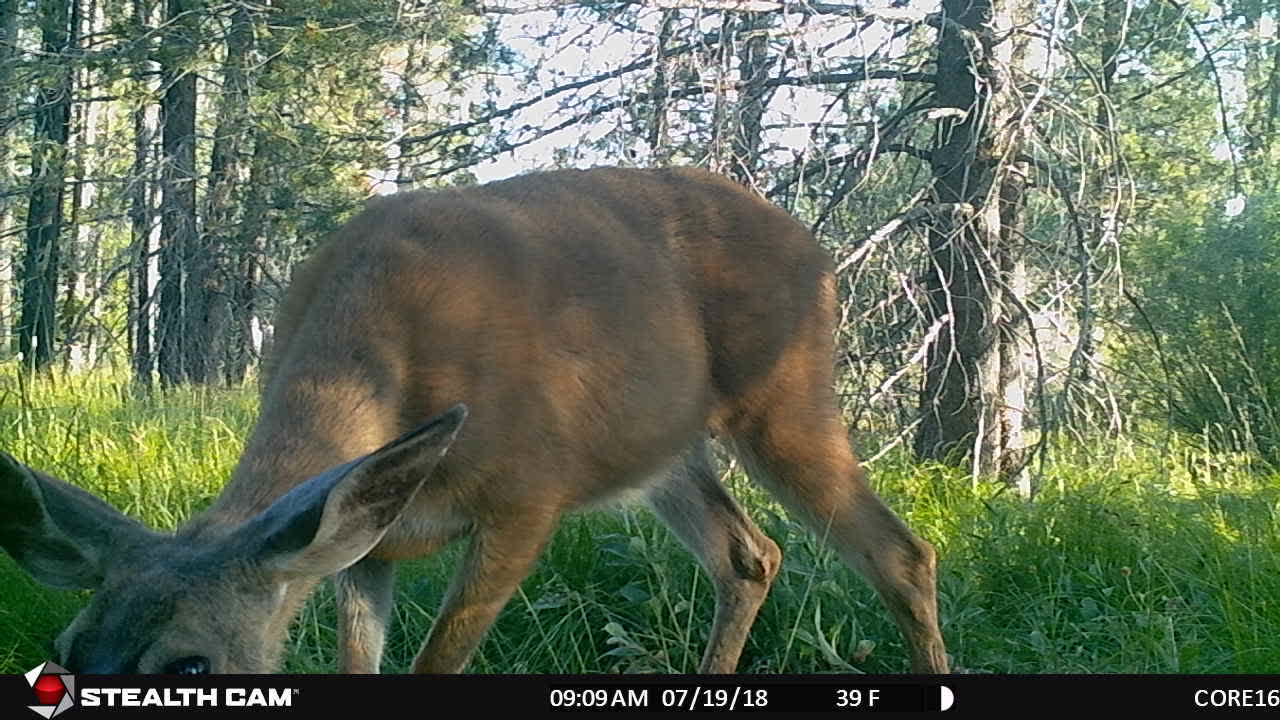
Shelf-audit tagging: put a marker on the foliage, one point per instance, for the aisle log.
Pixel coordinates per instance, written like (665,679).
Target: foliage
(1135,562)
(1210,300)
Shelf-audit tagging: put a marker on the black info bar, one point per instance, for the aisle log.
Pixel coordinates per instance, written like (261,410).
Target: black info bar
(391,696)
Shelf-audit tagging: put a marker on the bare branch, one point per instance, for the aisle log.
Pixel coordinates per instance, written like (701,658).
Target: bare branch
(684,92)
(852,10)
(915,359)
(888,130)
(912,150)
(887,230)
(514,108)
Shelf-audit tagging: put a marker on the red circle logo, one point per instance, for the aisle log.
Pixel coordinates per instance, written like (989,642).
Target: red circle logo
(49,689)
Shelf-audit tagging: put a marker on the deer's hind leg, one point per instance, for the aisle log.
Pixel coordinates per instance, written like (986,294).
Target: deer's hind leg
(802,455)
(791,439)
(740,559)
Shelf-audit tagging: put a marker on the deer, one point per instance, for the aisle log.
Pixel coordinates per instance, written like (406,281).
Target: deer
(474,364)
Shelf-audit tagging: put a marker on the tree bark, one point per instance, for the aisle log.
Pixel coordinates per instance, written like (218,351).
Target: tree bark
(142,222)
(715,154)
(82,260)
(753,68)
(37,329)
(179,332)
(142,305)
(659,146)
(8,173)
(222,198)
(249,247)
(1010,456)
(962,389)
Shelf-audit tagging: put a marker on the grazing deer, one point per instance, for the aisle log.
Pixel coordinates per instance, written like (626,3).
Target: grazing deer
(566,337)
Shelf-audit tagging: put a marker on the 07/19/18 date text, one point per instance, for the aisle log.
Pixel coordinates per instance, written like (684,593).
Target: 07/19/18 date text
(659,698)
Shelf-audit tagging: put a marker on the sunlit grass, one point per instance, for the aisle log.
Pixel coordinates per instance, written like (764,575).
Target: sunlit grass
(1132,561)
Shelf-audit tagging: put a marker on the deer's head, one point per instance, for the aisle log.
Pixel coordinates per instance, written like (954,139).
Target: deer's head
(212,601)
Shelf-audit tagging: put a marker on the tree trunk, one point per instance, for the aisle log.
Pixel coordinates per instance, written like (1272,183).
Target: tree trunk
(37,327)
(249,249)
(250,246)
(143,225)
(715,153)
(82,259)
(962,389)
(753,68)
(142,306)
(1105,194)
(8,172)
(407,107)
(179,333)
(1010,459)
(221,201)
(659,146)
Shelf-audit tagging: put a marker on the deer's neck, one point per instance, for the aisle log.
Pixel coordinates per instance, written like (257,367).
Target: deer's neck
(311,420)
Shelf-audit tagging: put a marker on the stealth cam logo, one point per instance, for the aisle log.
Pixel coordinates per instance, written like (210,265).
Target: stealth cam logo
(55,689)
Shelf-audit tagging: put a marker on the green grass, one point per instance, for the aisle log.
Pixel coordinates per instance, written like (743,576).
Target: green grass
(1125,563)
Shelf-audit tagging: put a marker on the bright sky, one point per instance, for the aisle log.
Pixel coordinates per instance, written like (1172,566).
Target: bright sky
(587,50)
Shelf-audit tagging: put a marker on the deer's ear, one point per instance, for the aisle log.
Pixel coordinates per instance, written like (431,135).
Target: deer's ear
(61,535)
(331,521)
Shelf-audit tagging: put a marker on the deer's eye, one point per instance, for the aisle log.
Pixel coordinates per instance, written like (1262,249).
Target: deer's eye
(192,665)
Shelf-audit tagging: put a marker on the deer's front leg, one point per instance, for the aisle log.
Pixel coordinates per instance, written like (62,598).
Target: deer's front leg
(497,561)
(365,600)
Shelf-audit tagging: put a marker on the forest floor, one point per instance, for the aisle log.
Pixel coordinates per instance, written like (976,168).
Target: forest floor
(1132,558)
